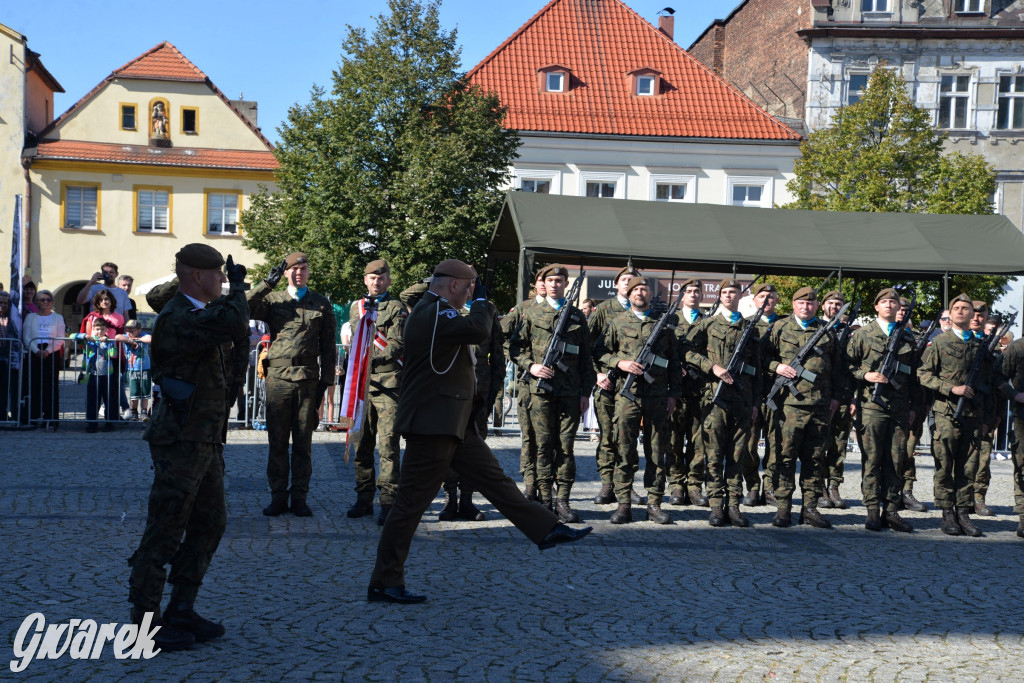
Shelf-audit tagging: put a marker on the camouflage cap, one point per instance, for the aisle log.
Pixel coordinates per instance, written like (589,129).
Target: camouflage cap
(201,256)
(834,294)
(692,282)
(294,259)
(628,270)
(637,282)
(763,287)
(729,282)
(455,268)
(411,295)
(378,267)
(962,298)
(805,294)
(554,270)
(980,306)
(887,293)
(159,296)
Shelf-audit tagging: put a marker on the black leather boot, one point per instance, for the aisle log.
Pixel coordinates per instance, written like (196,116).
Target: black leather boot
(299,506)
(168,638)
(451,505)
(278,506)
(622,515)
(981,509)
(361,508)
(949,523)
(911,503)
(676,497)
(467,510)
(810,515)
(606,497)
(717,516)
(874,520)
(635,498)
(897,523)
(697,498)
(530,491)
(783,517)
(657,515)
(566,514)
(963,518)
(180,615)
(752,497)
(736,517)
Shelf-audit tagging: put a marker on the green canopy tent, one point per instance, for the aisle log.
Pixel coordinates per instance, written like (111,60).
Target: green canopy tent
(678,236)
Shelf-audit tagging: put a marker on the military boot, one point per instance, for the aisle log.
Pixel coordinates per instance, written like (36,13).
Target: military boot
(361,508)
(825,502)
(911,503)
(299,506)
(656,514)
(717,516)
(180,615)
(451,505)
(1020,527)
(622,515)
(168,638)
(963,518)
(750,500)
(530,491)
(896,523)
(676,496)
(874,520)
(783,516)
(606,497)
(467,510)
(278,506)
(635,498)
(736,517)
(697,498)
(566,514)
(385,510)
(949,523)
(769,497)
(544,494)
(836,497)
(811,516)
(981,509)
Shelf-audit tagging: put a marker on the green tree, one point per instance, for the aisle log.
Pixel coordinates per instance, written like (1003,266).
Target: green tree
(403,160)
(882,154)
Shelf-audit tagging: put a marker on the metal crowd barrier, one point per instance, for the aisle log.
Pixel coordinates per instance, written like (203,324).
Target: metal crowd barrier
(11,379)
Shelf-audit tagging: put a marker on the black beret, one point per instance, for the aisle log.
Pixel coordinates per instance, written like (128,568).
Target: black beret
(201,256)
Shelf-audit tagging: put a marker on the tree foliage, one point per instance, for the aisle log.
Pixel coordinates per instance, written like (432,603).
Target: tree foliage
(403,160)
(882,154)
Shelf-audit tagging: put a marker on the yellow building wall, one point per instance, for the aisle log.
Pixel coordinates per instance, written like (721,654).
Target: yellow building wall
(65,257)
(219,127)
(12,138)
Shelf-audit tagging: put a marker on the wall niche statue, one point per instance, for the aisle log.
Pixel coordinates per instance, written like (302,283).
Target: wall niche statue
(159,123)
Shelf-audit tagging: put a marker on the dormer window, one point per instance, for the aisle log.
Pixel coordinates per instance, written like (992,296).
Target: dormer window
(554,78)
(645,85)
(645,82)
(969,6)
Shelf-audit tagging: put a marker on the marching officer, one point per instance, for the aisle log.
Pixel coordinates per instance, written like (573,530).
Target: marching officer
(300,363)
(801,426)
(555,414)
(686,456)
(656,388)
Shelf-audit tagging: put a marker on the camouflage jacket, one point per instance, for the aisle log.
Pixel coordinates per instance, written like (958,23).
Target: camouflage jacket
(1013,369)
(864,354)
(528,346)
(385,364)
(784,341)
(712,343)
(764,330)
(693,378)
(624,337)
(947,363)
(510,325)
(602,315)
(195,345)
(301,333)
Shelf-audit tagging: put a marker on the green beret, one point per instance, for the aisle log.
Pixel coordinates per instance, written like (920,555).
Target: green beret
(295,258)
(628,270)
(763,287)
(729,282)
(636,282)
(455,268)
(962,298)
(554,270)
(692,282)
(835,294)
(378,267)
(980,306)
(887,293)
(805,294)
(201,256)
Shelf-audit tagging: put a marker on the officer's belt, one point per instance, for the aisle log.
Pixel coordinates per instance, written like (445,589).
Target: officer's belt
(294,362)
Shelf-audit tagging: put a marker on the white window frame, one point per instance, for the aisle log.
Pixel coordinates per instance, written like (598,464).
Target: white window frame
(521,174)
(650,80)
(849,87)
(966,6)
(1015,97)
(222,210)
(690,181)
(767,189)
(603,177)
(953,96)
(152,207)
(81,203)
(561,81)
(874,9)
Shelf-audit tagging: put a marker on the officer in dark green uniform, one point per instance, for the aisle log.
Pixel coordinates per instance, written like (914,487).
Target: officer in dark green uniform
(301,361)
(764,425)
(801,424)
(1013,370)
(686,456)
(192,359)
(656,390)
(378,428)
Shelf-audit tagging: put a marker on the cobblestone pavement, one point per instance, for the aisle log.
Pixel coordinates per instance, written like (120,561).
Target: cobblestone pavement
(631,603)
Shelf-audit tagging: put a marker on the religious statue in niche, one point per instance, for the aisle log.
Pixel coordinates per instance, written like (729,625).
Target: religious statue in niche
(159,121)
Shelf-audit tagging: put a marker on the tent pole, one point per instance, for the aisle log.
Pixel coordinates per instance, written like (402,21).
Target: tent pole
(840,287)
(734,270)
(945,290)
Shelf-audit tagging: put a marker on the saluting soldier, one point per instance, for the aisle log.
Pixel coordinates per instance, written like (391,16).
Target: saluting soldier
(686,456)
(555,414)
(604,397)
(656,388)
(1013,370)
(300,361)
(882,429)
(944,369)
(763,423)
(834,457)
(192,352)
(725,431)
(801,427)
(510,325)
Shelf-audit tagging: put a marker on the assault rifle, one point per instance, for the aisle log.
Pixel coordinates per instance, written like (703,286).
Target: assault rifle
(988,348)
(736,366)
(922,340)
(891,365)
(844,334)
(805,352)
(557,347)
(714,307)
(647,357)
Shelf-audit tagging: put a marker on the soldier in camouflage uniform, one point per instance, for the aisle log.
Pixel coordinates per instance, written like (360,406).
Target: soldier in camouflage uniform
(919,411)
(882,429)
(801,426)
(763,424)
(300,363)
(193,359)
(604,397)
(725,431)
(944,369)
(686,456)
(834,456)
(980,326)
(379,410)
(510,325)
(624,338)
(555,414)
(1013,370)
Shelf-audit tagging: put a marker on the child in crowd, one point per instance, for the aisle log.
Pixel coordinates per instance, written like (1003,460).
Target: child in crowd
(101,372)
(140,384)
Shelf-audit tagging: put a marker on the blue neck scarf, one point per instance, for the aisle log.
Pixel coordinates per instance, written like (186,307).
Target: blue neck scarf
(892,326)
(558,303)
(693,314)
(735,317)
(966,336)
(805,323)
(298,292)
(771,318)
(979,335)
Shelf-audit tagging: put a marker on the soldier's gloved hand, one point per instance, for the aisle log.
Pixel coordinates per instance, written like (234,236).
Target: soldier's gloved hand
(236,273)
(276,273)
(479,290)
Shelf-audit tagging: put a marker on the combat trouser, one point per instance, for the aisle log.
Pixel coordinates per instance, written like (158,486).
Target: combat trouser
(725,435)
(379,413)
(528,447)
(653,411)
(750,461)
(834,462)
(769,461)
(982,452)
(955,468)
(1017,447)
(607,447)
(555,419)
(184,524)
(291,412)
(800,435)
(913,438)
(883,444)
(686,454)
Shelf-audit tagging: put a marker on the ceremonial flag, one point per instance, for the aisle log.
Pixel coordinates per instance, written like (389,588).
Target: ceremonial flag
(357,375)
(17,274)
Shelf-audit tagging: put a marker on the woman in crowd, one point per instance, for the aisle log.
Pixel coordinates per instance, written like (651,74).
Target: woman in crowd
(28,299)
(104,306)
(43,337)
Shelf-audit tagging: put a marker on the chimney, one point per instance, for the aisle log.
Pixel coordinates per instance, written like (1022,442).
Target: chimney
(666,24)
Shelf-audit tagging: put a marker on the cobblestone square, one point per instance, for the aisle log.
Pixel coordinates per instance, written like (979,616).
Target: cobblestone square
(631,603)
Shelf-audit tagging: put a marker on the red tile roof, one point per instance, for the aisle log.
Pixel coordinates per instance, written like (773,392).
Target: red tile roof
(601,42)
(233,159)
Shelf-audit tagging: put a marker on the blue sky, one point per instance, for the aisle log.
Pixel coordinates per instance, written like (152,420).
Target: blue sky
(272,51)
